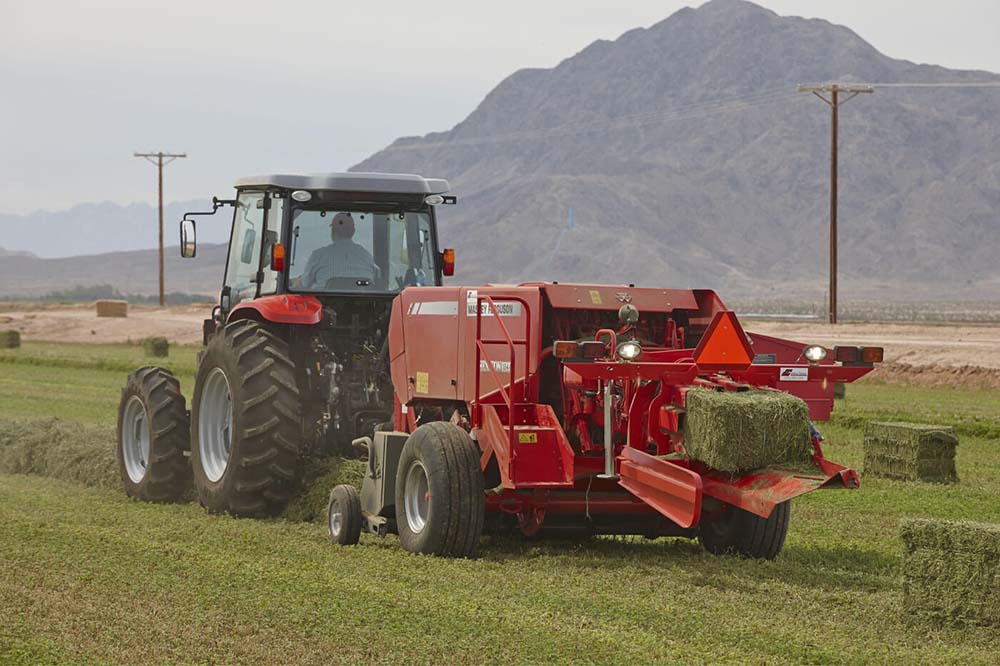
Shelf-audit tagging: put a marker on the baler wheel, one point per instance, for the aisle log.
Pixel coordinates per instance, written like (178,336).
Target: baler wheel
(153,436)
(742,533)
(343,515)
(246,424)
(440,501)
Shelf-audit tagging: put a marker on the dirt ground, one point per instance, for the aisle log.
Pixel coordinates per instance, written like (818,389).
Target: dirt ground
(925,354)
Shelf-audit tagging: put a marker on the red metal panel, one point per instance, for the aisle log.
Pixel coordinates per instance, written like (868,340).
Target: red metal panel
(429,343)
(281,309)
(612,297)
(670,489)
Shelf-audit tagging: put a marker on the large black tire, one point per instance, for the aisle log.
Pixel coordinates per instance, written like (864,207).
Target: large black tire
(455,503)
(740,532)
(343,515)
(152,413)
(255,470)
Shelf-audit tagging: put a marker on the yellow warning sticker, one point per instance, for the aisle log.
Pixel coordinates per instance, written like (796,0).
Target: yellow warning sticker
(595,297)
(423,379)
(527,437)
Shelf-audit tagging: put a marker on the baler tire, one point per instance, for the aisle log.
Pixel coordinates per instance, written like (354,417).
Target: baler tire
(259,471)
(153,406)
(746,534)
(456,502)
(345,503)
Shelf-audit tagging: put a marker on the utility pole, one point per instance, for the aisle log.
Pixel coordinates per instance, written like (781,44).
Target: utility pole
(834,101)
(158,160)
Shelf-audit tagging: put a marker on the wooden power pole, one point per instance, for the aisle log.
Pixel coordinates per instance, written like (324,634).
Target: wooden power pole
(158,160)
(834,101)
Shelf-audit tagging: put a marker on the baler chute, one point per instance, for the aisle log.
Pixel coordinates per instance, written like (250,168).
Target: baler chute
(575,399)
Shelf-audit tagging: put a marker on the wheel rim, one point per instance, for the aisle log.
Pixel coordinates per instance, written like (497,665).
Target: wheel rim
(416,497)
(135,439)
(336,519)
(215,423)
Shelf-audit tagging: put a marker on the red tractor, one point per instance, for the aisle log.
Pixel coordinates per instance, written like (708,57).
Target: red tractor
(538,407)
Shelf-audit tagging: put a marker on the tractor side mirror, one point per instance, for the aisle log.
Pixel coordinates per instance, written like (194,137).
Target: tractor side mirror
(188,240)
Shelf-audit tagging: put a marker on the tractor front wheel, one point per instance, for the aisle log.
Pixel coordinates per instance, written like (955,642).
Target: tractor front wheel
(153,436)
(246,422)
(440,502)
(743,533)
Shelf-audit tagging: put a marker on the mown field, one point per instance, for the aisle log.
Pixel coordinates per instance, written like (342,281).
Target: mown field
(88,576)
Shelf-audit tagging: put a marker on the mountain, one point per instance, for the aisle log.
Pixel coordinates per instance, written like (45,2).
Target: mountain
(682,155)
(93,228)
(14,253)
(132,272)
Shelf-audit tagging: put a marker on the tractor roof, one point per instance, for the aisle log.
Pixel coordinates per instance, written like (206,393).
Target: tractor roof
(389,183)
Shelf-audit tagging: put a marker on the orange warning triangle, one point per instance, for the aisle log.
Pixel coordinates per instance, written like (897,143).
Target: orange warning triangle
(724,344)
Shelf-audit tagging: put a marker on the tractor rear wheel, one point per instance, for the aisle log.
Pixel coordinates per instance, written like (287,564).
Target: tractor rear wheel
(153,436)
(343,515)
(246,422)
(743,533)
(440,502)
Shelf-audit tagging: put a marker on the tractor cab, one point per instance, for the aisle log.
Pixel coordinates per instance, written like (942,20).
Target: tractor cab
(329,235)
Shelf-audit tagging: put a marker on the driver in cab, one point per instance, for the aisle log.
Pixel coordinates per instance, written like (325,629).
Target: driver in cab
(342,258)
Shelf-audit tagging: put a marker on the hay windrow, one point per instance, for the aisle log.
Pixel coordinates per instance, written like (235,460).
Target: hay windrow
(738,431)
(156,346)
(951,572)
(85,454)
(910,451)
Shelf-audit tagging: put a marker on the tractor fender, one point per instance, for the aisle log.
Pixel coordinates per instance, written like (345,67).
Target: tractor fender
(280,309)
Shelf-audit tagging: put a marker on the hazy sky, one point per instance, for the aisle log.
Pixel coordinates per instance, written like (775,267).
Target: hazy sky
(247,87)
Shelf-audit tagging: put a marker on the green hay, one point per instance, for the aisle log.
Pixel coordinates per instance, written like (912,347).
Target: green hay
(738,431)
(910,451)
(951,572)
(60,449)
(10,339)
(156,346)
(318,479)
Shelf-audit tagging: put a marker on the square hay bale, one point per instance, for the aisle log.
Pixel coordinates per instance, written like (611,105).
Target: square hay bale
(951,572)
(156,346)
(112,308)
(738,431)
(910,451)
(839,390)
(10,339)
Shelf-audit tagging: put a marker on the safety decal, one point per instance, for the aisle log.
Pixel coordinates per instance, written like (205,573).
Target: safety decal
(527,438)
(499,366)
(595,297)
(794,375)
(423,379)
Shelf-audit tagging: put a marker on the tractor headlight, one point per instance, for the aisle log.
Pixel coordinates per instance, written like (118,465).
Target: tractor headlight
(814,353)
(629,350)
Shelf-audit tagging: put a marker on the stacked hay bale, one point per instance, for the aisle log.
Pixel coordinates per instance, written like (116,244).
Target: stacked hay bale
(10,339)
(738,431)
(910,451)
(156,346)
(112,308)
(951,572)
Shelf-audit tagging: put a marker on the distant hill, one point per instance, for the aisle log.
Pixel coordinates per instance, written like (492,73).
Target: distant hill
(94,228)
(132,272)
(680,154)
(14,253)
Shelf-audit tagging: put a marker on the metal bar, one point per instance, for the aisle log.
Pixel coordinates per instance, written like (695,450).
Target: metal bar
(609,445)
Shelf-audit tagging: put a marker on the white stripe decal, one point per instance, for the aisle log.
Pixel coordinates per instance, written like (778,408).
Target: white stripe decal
(434,308)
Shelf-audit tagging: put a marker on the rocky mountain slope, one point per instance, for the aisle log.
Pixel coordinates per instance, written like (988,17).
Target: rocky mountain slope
(682,154)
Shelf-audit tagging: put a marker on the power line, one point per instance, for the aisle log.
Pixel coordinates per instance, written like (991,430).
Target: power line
(834,90)
(160,163)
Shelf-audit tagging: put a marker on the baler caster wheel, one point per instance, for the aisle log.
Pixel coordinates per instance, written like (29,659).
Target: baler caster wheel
(740,532)
(343,515)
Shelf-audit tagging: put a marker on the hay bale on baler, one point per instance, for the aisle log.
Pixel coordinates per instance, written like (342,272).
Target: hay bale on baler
(951,572)
(112,308)
(10,339)
(739,431)
(910,451)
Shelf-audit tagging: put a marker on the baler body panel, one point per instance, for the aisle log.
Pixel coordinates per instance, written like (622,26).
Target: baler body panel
(484,356)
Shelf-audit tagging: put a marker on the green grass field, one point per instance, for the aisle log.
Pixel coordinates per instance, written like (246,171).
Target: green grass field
(88,576)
